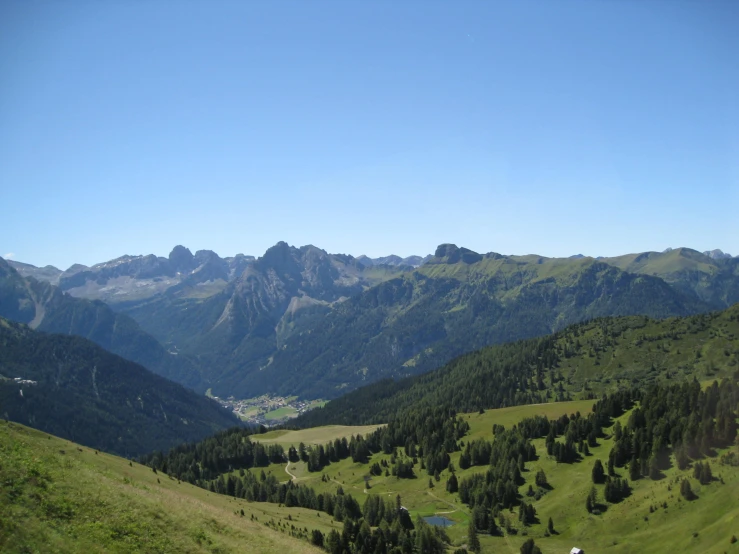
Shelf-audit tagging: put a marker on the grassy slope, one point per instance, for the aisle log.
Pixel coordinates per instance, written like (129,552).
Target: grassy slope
(80,501)
(637,349)
(314,435)
(622,528)
(664,263)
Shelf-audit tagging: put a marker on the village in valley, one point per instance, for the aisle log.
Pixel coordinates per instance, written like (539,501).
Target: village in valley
(267,410)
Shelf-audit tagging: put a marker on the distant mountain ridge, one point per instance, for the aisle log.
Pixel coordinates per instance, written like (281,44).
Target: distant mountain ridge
(134,278)
(457,302)
(245,323)
(45,307)
(393,260)
(303,321)
(717,254)
(712,279)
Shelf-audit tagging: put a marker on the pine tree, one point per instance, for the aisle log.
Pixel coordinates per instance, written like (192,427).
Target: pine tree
(473,542)
(530,548)
(550,526)
(598,472)
(592,500)
(634,472)
(452,484)
(541,479)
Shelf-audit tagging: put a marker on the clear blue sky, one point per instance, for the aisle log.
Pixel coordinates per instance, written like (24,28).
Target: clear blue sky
(367,127)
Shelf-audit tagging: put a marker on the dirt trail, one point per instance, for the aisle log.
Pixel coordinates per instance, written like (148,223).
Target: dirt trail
(456,508)
(294,478)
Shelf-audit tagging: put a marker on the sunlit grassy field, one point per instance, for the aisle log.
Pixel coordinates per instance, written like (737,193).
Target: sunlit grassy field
(315,435)
(56,496)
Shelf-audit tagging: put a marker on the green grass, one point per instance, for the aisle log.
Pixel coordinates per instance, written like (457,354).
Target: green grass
(620,529)
(663,264)
(314,435)
(56,496)
(481,425)
(281,413)
(82,501)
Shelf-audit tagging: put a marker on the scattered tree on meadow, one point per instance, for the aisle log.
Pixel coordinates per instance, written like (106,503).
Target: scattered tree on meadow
(541,479)
(598,472)
(530,548)
(591,500)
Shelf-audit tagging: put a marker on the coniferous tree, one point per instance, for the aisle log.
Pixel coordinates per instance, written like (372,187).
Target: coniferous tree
(473,541)
(452,484)
(634,472)
(598,472)
(529,547)
(591,500)
(541,479)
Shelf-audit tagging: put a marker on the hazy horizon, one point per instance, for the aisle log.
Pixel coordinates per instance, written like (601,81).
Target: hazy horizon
(257,255)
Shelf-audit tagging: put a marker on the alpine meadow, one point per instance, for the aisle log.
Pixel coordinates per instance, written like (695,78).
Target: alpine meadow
(369,278)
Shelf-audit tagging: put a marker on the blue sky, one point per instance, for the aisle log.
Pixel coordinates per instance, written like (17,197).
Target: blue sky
(367,127)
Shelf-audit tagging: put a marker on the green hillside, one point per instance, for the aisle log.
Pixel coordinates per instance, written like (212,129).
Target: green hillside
(712,280)
(56,496)
(581,361)
(71,387)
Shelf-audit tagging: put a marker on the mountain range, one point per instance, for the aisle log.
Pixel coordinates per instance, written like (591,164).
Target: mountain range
(301,321)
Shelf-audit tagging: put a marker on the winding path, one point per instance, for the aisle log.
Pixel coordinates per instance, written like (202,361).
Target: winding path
(294,478)
(456,508)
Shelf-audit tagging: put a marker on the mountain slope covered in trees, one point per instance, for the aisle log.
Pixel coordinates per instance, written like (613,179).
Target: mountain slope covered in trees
(72,388)
(582,360)
(45,307)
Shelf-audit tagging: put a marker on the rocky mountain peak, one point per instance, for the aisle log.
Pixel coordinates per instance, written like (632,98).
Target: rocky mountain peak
(279,257)
(181,259)
(717,254)
(452,254)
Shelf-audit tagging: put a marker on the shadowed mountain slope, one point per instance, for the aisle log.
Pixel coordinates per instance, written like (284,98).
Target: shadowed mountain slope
(73,388)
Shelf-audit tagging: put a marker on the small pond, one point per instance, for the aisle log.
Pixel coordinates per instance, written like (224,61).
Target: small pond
(439,521)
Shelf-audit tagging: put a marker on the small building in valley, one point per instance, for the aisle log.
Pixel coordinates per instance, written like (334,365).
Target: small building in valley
(576,550)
